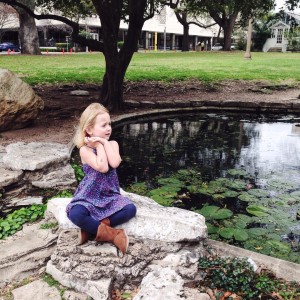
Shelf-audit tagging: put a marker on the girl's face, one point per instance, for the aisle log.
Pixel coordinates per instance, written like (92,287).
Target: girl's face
(102,127)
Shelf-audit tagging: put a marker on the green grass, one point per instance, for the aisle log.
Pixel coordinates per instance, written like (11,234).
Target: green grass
(160,66)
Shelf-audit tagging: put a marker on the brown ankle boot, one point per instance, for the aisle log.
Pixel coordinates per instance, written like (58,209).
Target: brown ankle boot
(116,236)
(83,237)
(106,221)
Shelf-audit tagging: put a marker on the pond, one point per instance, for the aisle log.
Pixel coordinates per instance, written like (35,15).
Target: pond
(242,172)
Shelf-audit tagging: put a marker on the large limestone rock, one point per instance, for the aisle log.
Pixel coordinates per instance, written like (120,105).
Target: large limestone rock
(19,105)
(35,156)
(165,246)
(24,167)
(153,221)
(25,253)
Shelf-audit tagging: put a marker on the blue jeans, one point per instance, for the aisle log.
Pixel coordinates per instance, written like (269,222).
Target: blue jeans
(80,216)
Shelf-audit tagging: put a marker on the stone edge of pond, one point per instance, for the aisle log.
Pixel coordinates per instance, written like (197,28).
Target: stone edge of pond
(286,106)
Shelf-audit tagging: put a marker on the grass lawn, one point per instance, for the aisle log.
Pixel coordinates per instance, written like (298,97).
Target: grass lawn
(159,66)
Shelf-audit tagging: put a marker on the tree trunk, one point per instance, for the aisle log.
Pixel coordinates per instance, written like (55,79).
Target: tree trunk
(182,18)
(185,38)
(28,33)
(117,62)
(112,88)
(228,29)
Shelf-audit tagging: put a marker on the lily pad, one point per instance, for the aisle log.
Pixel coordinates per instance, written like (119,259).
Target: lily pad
(162,200)
(163,192)
(206,211)
(170,181)
(273,236)
(205,192)
(187,172)
(237,172)
(218,197)
(221,214)
(257,231)
(259,193)
(211,229)
(279,246)
(237,185)
(223,181)
(238,234)
(244,218)
(215,212)
(258,211)
(281,185)
(193,189)
(170,188)
(226,233)
(162,196)
(285,197)
(240,223)
(245,197)
(258,245)
(139,188)
(230,194)
(296,195)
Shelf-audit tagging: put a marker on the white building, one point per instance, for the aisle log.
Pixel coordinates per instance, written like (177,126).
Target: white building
(279,30)
(161,32)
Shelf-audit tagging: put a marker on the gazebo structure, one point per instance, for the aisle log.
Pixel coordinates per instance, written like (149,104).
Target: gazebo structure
(277,42)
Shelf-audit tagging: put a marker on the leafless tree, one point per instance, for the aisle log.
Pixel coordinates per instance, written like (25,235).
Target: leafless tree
(8,16)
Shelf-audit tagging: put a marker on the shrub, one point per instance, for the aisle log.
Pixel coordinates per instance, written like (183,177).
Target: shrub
(120,44)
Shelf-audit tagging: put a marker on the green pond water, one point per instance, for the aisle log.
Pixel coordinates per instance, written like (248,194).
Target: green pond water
(242,172)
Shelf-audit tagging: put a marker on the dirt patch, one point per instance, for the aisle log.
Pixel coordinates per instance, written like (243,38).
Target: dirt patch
(57,121)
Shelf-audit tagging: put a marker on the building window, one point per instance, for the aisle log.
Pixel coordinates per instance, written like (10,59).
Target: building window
(279,36)
(273,34)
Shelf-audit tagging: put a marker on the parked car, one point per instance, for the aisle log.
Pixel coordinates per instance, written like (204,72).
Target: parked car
(234,46)
(8,45)
(217,47)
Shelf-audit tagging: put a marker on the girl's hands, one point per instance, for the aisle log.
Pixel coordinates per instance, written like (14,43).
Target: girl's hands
(92,141)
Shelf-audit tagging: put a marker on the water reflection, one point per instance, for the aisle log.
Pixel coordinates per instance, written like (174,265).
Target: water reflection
(274,151)
(210,143)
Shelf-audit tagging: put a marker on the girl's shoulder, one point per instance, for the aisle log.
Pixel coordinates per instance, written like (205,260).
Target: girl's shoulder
(85,150)
(113,142)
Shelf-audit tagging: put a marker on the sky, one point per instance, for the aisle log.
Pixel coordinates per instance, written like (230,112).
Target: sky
(280,3)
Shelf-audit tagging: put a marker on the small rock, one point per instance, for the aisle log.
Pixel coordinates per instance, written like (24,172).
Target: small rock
(79,93)
(36,290)
(71,295)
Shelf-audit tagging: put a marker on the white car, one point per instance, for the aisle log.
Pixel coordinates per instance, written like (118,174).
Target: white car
(217,47)
(234,46)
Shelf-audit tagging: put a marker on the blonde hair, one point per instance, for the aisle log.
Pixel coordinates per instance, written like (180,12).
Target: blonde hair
(87,119)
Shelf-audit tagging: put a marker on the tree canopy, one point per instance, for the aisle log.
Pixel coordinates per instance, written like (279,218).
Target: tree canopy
(226,13)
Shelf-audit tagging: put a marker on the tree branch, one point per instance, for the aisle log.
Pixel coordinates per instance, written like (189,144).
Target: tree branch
(93,44)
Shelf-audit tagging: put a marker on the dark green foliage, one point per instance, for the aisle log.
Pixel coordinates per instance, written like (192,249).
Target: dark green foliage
(237,276)
(294,40)
(230,274)
(14,221)
(63,194)
(79,174)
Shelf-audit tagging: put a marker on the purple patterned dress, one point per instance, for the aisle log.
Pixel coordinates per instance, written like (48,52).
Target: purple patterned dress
(99,193)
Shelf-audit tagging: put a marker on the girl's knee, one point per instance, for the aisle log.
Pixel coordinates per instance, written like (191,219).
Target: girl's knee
(131,210)
(77,214)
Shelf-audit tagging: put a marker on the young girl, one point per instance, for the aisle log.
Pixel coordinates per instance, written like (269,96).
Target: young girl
(97,205)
